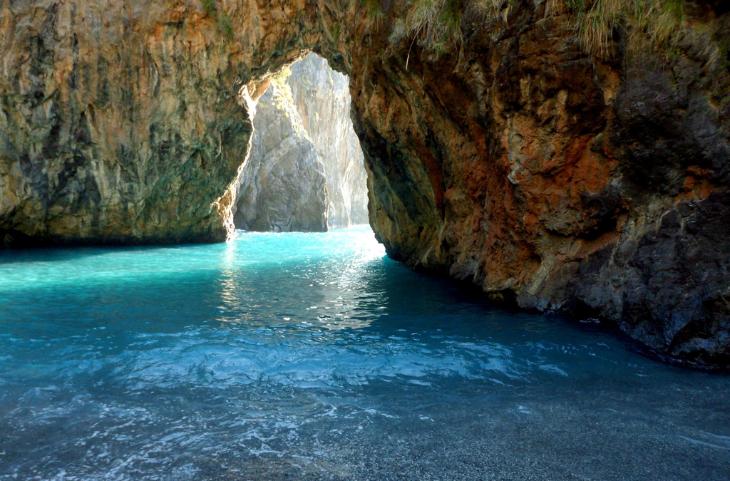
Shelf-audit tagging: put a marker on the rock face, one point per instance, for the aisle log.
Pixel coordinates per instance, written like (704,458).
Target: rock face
(305,170)
(282,184)
(322,97)
(552,177)
(559,180)
(120,123)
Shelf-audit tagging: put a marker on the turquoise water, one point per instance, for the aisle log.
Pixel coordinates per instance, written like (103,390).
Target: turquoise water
(314,356)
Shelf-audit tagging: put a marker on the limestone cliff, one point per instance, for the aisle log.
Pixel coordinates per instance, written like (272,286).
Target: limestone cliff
(282,185)
(322,97)
(592,181)
(305,169)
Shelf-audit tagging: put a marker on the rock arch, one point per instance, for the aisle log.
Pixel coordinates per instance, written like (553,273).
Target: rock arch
(548,176)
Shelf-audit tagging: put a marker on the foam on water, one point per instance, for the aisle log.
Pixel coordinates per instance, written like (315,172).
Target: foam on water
(314,356)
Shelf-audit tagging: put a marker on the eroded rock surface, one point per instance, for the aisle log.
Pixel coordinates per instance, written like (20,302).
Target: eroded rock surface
(305,170)
(545,174)
(282,184)
(322,97)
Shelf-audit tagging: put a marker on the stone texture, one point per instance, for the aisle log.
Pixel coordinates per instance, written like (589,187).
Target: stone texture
(305,170)
(549,177)
(322,97)
(546,175)
(282,184)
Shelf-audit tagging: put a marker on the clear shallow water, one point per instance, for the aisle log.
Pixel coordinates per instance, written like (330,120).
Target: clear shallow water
(313,356)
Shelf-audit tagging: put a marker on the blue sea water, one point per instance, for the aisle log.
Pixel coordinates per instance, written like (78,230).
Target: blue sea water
(314,356)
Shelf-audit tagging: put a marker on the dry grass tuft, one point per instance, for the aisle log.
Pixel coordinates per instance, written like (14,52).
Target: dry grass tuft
(601,26)
(654,20)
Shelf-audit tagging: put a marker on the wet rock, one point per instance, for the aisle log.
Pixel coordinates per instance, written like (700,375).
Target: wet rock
(669,286)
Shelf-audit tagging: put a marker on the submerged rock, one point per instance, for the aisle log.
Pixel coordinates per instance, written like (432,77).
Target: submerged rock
(305,170)
(555,176)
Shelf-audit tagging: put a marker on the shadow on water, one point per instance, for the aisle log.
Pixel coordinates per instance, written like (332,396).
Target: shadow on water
(61,254)
(199,285)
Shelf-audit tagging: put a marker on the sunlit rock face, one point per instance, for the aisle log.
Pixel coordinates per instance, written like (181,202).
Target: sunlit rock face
(282,184)
(322,97)
(305,171)
(549,176)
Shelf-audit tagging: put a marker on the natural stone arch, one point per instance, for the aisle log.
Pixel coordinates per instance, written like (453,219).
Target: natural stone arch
(305,168)
(521,163)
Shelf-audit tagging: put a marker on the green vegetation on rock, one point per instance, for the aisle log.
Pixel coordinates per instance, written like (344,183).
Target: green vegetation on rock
(437,25)
(652,20)
(225,24)
(210,7)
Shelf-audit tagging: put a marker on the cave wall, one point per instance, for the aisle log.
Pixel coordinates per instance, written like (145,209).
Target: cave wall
(124,121)
(551,177)
(558,180)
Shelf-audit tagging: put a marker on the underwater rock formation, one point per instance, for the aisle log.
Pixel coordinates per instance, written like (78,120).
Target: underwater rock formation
(305,170)
(552,175)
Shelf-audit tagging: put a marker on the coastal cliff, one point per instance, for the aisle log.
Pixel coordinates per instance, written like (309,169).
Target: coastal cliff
(322,97)
(305,168)
(282,183)
(504,145)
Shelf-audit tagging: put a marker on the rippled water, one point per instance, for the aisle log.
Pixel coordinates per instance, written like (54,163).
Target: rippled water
(313,356)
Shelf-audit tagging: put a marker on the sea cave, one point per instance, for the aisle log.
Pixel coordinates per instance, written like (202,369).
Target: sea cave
(365,240)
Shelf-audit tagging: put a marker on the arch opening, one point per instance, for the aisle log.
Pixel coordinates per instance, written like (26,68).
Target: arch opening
(305,168)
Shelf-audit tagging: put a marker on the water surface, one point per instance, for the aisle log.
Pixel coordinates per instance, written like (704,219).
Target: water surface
(314,356)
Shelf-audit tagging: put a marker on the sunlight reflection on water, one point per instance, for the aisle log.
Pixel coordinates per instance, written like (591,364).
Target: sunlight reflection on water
(314,356)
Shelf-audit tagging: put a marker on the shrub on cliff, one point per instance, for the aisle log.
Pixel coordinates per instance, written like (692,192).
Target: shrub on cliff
(437,24)
(654,20)
(209,7)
